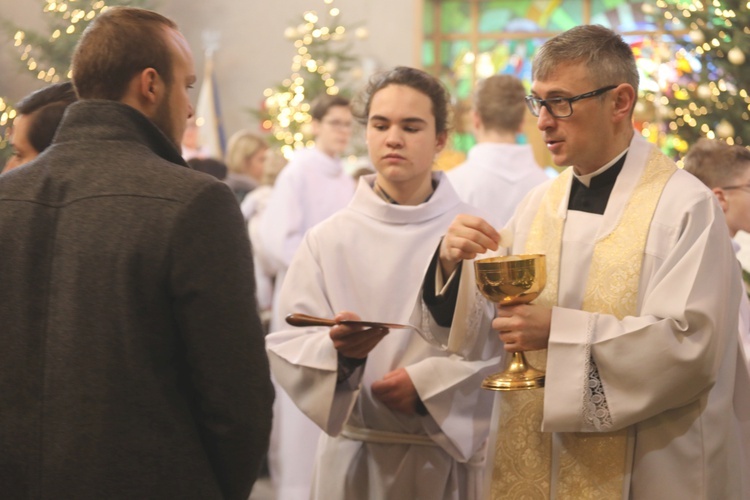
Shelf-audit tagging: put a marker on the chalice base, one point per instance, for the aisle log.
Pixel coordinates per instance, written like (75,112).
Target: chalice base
(518,376)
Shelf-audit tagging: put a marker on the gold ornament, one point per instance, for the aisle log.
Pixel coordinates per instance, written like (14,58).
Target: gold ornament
(724,129)
(736,56)
(703,91)
(697,37)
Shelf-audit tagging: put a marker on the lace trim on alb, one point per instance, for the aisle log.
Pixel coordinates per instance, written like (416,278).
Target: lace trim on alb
(425,328)
(476,315)
(595,408)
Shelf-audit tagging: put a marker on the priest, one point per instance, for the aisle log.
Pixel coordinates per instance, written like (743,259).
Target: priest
(636,327)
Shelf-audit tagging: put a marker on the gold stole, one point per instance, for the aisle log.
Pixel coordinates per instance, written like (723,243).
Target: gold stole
(590,465)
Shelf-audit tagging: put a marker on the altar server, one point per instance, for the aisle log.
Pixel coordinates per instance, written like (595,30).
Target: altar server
(402,419)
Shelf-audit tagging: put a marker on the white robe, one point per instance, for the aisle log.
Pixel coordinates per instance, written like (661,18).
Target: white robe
(496,177)
(311,187)
(668,373)
(742,397)
(370,259)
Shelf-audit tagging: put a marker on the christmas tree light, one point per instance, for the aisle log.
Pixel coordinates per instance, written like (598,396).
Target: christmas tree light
(47,55)
(320,57)
(711,98)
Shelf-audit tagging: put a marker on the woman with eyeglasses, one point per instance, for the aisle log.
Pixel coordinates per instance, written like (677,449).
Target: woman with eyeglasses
(312,187)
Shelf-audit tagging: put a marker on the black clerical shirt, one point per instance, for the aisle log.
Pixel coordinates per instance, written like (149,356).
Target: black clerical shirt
(593,199)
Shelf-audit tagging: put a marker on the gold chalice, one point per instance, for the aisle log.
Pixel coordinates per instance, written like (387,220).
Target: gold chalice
(513,279)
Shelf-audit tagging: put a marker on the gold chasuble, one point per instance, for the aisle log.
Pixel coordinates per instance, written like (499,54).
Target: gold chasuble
(579,465)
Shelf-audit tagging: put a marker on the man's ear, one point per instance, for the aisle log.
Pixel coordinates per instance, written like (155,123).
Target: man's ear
(721,196)
(476,120)
(150,85)
(144,92)
(442,139)
(623,102)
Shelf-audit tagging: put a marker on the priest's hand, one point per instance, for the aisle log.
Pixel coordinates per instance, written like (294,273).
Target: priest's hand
(467,237)
(523,327)
(397,391)
(355,341)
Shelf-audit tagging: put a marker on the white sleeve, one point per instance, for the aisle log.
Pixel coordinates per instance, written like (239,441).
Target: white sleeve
(281,225)
(303,360)
(666,357)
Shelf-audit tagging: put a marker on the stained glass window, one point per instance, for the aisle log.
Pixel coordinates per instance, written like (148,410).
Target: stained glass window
(466,40)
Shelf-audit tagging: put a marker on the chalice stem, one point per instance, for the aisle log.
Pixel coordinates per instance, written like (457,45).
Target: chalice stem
(519,375)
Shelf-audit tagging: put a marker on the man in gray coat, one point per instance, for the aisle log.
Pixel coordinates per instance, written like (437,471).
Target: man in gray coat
(131,353)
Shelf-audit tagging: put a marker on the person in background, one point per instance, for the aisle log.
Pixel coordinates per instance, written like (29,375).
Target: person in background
(403,420)
(211,166)
(252,208)
(725,170)
(498,172)
(246,160)
(38,115)
(190,145)
(131,354)
(312,187)
(636,327)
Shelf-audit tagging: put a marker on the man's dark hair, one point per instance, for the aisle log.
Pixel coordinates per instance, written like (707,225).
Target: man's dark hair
(45,108)
(416,79)
(324,102)
(120,43)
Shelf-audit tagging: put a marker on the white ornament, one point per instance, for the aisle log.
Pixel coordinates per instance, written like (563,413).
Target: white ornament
(736,56)
(703,91)
(697,37)
(724,129)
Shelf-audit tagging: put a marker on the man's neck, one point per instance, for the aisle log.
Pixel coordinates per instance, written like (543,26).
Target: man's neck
(485,136)
(610,151)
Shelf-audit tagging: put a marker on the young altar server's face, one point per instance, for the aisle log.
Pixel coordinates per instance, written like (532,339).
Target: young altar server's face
(401,134)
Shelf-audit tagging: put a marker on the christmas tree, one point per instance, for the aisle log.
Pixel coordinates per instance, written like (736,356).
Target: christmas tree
(46,56)
(710,95)
(322,62)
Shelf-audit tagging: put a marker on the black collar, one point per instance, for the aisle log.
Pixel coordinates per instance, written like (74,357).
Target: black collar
(593,199)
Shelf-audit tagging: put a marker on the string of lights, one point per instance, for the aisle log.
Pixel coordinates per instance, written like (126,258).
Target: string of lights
(69,18)
(318,58)
(47,55)
(712,100)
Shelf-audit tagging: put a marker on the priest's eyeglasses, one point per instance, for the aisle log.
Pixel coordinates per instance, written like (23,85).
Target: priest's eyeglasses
(561,107)
(737,186)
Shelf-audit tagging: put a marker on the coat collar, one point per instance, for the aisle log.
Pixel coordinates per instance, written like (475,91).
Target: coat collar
(103,120)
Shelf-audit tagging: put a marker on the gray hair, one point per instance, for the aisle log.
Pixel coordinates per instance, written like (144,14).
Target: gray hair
(607,56)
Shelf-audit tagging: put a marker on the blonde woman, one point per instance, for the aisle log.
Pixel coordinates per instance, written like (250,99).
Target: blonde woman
(246,158)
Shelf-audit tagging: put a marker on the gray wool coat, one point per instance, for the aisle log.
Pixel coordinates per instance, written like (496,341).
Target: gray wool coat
(132,362)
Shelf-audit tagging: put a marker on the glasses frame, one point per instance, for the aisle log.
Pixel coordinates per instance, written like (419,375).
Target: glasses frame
(736,186)
(530,100)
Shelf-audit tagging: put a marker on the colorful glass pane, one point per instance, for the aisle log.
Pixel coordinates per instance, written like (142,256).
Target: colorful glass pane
(455,17)
(511,57)
(428,54)
(428,18)
(623,15)
(457,64)
(529,15)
